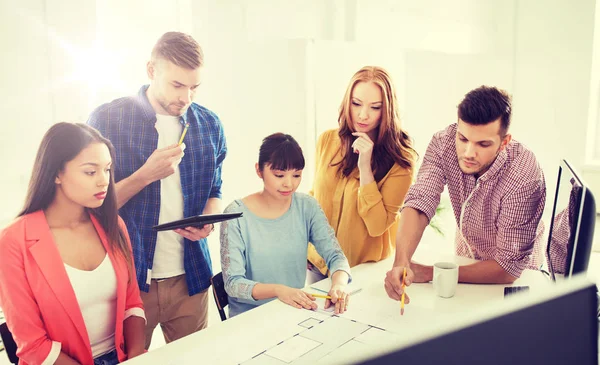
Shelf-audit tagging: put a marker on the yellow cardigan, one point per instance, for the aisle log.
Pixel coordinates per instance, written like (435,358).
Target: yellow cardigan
(365,219)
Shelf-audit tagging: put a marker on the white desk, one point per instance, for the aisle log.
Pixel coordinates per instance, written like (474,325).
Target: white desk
(241,338)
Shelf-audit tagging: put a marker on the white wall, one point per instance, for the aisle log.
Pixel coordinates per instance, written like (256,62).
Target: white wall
(591,171)
(552,76)
(593,140)
(261,90)
(27,105)
(553,55)
(336,62)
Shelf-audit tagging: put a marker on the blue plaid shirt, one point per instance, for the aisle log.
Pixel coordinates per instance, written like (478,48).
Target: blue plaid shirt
(129,124)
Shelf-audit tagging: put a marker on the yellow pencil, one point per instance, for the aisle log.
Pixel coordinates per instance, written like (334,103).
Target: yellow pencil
(321,296)
(403,291)
(183,134)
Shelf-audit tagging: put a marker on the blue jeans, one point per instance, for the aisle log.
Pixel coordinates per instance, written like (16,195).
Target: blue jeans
(109,358)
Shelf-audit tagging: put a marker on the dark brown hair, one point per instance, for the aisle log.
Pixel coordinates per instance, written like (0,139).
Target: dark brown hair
(179,48)
(61,144)
(282,152)
(485,105)
(393,144)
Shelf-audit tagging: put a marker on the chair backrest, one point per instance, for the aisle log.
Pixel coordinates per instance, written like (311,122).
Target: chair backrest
(220,294)
(9,344)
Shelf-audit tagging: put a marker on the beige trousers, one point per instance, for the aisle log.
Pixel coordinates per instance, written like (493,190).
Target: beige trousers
(178,313)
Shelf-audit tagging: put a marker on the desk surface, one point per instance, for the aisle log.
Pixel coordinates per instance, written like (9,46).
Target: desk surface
(277,331)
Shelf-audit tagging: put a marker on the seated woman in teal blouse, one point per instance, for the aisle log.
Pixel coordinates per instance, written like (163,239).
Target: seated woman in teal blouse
(263,253)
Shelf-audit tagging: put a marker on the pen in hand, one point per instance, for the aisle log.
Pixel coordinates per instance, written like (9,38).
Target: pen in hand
(403,291)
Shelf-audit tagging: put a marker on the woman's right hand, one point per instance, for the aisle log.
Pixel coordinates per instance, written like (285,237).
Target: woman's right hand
(296,297)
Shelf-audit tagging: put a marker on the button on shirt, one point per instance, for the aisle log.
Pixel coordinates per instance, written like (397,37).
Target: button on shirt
(498,215)
(129,123)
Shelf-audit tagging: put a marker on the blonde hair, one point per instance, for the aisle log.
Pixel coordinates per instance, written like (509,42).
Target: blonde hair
(392,144)
(179,48)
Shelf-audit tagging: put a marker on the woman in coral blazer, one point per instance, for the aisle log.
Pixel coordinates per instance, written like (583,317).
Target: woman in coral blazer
(363,171)
(67,283)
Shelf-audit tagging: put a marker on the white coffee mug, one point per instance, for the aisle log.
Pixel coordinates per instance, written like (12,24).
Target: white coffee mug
(445,279)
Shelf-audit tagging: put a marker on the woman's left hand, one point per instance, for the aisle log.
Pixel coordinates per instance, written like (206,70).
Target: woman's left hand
(339,298)
(363,145)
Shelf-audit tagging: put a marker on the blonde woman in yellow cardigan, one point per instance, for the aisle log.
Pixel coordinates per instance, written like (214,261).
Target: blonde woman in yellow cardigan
(363,171)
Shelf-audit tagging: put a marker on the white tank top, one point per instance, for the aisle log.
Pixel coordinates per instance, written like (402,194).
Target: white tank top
(96,293)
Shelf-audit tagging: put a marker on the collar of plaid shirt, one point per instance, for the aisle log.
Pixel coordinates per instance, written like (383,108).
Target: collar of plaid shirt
(147,113)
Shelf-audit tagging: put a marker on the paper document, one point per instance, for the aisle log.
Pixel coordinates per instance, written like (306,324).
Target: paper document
(335,330)
(311,322)
(291,349)
(263,359)
(345,351)
(376,336)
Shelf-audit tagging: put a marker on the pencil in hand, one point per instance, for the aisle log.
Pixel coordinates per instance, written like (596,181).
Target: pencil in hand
(187,125)
(403,291)
(321,296)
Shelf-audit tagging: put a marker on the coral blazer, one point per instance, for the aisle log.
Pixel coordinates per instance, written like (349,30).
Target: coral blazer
(38,300)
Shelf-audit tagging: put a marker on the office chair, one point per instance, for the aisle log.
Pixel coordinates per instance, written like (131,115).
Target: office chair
(9,344)
(220,294)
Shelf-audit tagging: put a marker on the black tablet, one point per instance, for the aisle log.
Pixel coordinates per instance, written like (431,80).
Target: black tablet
(196,221)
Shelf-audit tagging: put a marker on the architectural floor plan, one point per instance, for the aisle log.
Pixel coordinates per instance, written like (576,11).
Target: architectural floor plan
(321,339)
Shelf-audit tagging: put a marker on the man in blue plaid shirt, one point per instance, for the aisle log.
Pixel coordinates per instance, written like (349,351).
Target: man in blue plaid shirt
(157,183)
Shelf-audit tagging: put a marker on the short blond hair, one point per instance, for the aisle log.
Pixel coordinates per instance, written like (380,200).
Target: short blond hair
(179,48)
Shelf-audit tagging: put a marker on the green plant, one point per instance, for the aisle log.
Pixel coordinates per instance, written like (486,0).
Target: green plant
(435,222)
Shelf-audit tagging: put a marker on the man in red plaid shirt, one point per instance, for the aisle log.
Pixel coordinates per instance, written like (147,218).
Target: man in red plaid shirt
(497,190)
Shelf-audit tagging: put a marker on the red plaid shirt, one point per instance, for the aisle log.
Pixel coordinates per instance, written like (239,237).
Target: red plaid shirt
(498,214)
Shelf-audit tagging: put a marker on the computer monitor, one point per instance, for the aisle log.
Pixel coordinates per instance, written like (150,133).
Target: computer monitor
(558,326)
(571,232)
